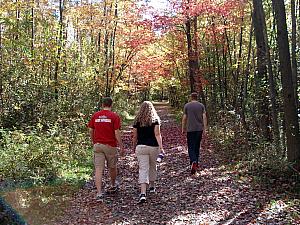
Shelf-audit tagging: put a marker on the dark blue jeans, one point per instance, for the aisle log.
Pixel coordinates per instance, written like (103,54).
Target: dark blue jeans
(193,141)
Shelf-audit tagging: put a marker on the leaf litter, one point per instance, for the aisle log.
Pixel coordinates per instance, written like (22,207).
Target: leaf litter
(214,196)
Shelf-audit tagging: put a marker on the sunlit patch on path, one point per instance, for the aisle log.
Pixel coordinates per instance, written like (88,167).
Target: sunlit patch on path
(213,196)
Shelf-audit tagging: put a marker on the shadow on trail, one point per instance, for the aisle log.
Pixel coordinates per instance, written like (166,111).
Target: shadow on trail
(214,196)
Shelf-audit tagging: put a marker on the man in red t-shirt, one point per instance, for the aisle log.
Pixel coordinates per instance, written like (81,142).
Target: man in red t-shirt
(104,128)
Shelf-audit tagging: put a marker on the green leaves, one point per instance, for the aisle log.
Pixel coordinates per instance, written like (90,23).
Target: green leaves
(40,156)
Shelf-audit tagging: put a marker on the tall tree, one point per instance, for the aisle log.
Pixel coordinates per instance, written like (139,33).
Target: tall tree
(1,71)
(290,112)
(261,76)
(192,65)
(244,87)
(293,49)
(32,29)
(272,89)
(60,44)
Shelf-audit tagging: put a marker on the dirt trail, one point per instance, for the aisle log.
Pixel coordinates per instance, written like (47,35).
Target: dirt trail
(214,196)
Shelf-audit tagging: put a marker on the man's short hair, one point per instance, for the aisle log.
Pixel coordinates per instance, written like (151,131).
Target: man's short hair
(107,102)
(194,95)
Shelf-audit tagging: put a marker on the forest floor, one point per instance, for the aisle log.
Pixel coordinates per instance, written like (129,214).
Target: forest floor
(216,195)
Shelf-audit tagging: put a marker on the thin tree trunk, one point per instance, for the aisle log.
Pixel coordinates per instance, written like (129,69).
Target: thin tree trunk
(1,72)
(290,111)
(32,31)
(239,59)
(233,75)
(215,87)
(213,90)
(16,37)
(106,52)
(99,42)
(225,61)
(294,46)
(191,55)
(113,46)
(225,82)
(196,50)
(220,80)
(244,88)
(32,36)
(59,49)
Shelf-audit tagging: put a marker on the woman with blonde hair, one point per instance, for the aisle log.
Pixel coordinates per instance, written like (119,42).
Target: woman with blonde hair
(147,143)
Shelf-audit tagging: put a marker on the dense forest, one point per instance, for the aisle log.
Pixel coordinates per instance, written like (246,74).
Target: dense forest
(59,57)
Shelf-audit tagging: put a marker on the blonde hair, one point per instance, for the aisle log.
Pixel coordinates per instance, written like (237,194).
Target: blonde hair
(146,115)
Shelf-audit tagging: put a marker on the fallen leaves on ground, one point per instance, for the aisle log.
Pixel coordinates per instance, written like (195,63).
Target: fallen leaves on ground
(214,196)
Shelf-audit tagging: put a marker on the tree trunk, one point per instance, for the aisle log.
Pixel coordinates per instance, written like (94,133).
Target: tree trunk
(16,37)
(290,113)
(260,77)
(106,51)
(272,89)
(199,84)
(112,48)
(225,62)
(244,88)
(233,75)
(1,72)
(59,49)
(32,31)
(239,59)
(222,82)
(294,46)
(191,56)
(213,90)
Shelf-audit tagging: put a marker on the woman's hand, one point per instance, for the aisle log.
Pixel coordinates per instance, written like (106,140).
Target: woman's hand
(161,150)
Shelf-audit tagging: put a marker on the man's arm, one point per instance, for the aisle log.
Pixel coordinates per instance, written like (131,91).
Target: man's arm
(183,123)
(91,131)
(118,137)
(204,121)
(205,128)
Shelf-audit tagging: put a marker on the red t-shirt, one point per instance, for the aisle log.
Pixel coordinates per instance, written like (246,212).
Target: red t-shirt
(104,123)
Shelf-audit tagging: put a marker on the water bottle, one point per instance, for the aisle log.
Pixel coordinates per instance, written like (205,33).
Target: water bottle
(160,157)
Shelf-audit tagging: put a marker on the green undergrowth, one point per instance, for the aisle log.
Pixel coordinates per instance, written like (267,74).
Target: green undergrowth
(251,156)
(127,118)
(52,154)
(178,113)
(34,158)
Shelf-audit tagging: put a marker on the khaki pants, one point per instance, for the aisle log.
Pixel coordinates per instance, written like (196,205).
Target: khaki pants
(147,156)
(105,152)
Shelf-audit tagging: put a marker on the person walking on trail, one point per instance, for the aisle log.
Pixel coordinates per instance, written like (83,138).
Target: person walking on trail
(104,129)
(147,142)
(194,125)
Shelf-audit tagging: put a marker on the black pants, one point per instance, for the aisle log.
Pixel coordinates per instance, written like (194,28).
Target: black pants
(193,141)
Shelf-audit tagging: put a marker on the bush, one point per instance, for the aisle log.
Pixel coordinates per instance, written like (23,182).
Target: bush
(39,155)
(251,151)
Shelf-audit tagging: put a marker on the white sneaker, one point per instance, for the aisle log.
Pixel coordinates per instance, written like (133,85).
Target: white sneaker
(99,197)
(142,198)
(152,190)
